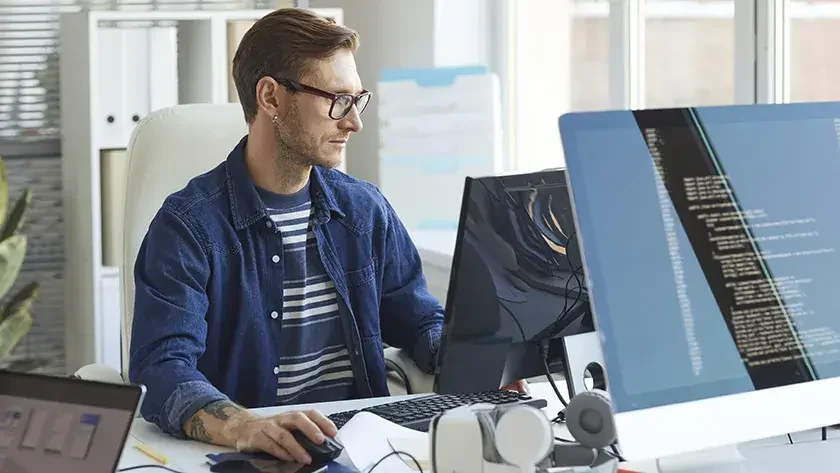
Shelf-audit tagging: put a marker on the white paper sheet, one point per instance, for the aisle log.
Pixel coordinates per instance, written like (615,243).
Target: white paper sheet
(367,438)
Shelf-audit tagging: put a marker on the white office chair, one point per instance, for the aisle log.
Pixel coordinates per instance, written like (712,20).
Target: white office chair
(167,148)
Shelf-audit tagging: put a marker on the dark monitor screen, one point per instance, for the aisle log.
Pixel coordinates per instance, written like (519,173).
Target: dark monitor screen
(516,278)
(710,239)
(49,423)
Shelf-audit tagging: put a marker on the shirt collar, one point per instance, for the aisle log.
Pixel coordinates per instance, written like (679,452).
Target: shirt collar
(247,207)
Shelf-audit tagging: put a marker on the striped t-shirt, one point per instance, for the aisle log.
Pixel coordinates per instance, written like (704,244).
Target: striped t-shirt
(314,361)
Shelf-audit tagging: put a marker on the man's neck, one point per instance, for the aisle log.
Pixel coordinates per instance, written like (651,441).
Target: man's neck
(271,172)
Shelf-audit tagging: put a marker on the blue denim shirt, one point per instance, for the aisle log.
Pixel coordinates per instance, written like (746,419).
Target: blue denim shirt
(206,282)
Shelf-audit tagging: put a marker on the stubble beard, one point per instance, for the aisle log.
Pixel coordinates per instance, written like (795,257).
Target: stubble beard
(293,149)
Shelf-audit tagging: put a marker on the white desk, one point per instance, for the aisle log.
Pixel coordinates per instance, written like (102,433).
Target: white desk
(807,455)
(188,456)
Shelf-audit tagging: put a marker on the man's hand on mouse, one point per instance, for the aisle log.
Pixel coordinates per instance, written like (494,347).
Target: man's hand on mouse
(274,434)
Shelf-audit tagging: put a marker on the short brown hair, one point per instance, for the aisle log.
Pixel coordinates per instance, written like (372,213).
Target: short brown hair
(284,43)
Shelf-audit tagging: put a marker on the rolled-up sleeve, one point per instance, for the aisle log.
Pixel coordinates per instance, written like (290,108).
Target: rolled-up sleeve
(169,329)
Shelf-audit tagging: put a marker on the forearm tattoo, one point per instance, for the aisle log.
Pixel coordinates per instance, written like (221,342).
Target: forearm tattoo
(222,410)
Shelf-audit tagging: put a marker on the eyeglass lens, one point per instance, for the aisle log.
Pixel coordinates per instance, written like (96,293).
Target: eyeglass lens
(344,102)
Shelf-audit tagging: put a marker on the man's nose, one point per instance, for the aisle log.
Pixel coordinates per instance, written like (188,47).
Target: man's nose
(352,121)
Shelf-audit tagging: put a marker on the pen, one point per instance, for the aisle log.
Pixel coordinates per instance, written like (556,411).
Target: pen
(151,453)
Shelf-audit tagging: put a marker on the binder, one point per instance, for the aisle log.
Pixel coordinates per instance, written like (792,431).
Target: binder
(437,126)
(235,31)
(111,77)
(113,166)
(137,73)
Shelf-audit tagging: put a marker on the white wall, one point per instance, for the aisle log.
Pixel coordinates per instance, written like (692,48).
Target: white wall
(411,33)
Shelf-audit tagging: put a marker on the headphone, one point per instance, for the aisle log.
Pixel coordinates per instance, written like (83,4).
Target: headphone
(524,436)
(590,420)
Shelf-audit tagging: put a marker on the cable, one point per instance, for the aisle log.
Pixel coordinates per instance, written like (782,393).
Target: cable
(391,365)
(544,357)
(396,452)
(150,466)
(617,455)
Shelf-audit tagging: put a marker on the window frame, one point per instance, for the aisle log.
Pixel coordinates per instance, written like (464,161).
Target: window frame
(761,45)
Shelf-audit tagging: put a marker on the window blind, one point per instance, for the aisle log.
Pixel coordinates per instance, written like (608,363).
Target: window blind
(29,48)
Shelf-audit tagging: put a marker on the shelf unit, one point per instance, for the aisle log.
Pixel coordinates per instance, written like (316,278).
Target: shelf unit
(116,67)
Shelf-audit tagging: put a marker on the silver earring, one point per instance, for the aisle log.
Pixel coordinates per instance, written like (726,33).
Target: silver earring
(274,119)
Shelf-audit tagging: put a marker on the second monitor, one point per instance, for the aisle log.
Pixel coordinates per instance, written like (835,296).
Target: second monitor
(516,286)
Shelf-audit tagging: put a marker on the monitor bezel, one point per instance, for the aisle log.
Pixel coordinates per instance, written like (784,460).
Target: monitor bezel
(709,423)
(44,387)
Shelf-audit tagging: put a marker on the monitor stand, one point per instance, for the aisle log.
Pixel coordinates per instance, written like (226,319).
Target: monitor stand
(719,460)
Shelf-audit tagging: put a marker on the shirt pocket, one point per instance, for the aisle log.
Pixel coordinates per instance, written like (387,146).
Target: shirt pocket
(361,277)
(364,299)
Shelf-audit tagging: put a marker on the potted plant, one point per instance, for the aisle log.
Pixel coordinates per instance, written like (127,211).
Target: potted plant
(15,311)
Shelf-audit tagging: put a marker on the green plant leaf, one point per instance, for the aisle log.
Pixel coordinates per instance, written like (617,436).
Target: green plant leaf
(12,253)
(15,218)
(12,331)
(23,300)
(4,190)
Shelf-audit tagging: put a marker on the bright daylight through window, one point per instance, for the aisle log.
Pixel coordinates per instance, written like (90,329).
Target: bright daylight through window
(573,55)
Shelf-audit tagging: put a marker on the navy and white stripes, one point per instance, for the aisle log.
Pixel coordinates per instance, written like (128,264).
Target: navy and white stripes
(314,361)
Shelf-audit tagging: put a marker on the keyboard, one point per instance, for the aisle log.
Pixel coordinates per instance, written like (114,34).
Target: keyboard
(417,413)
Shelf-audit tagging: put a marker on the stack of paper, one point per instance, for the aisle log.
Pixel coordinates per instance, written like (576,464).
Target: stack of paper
(368,438)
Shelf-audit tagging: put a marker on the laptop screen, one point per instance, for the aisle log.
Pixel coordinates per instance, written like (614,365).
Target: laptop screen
(60,424)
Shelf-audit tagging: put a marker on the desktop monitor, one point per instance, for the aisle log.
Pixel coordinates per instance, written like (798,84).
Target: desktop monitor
(516,281)
(49,423)
(710,240)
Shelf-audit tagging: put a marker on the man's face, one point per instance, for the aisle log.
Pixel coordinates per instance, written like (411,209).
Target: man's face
(305,130)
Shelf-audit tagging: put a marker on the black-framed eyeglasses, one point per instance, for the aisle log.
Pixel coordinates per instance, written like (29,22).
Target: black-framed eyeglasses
(341,103)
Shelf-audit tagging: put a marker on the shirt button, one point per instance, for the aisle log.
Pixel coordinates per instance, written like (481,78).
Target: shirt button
(268,223)
(276,370)
(275,258)
(274,314)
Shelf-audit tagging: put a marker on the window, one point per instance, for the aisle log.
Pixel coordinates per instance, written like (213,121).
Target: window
(560,64)
(578,55)
(689,53)
(814,63)
(29,43)
(589,54)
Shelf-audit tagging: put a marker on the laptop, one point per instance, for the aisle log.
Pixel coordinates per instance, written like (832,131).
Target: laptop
(54,424)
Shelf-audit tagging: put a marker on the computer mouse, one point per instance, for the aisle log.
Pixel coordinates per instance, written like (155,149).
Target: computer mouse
(321,453)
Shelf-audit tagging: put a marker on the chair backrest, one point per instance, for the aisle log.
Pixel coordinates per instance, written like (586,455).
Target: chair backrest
(167,149)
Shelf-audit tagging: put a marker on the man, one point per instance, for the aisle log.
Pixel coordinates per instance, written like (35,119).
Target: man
(274,279)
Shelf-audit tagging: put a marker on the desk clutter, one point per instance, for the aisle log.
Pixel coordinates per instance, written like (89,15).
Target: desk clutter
(514,437)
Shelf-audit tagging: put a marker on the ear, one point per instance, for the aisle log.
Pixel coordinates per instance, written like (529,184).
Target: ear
(270,96)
